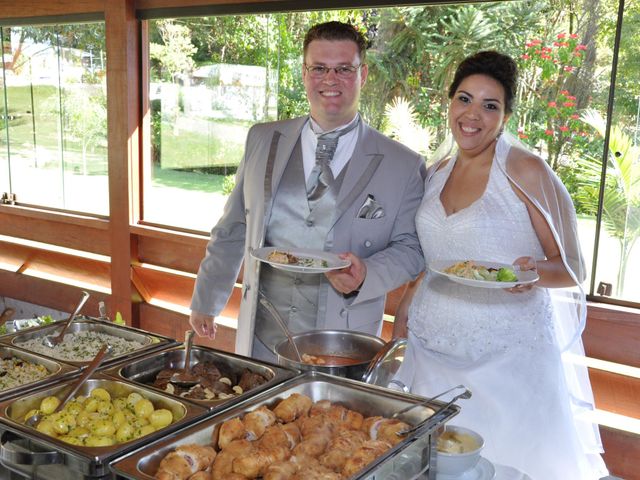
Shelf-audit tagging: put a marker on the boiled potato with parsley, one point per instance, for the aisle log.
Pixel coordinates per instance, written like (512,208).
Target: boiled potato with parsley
(49,404)
(102,428)
(143,408)
(132,399)
(100,394)
(160,418)
(125,433)
(99,420)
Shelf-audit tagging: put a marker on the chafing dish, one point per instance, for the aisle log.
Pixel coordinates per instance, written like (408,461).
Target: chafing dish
(57,370)
(31,453)
(411,458)
(145,369)
(150,342)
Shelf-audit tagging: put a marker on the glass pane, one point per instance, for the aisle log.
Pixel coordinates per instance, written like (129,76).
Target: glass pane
(201,113)
(213,77)
(618,252)
(55,133)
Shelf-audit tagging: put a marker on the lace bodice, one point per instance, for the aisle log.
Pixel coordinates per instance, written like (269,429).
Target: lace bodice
(467,324)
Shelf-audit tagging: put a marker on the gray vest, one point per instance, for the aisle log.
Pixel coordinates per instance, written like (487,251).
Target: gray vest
(299,298)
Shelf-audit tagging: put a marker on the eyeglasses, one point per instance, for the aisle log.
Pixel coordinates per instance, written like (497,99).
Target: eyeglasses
(342,71)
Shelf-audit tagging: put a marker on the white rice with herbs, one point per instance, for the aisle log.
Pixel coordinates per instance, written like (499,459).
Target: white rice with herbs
(82,346)
(15,372)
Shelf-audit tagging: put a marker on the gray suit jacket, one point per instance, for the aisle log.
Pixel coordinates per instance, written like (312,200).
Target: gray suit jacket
(381,167)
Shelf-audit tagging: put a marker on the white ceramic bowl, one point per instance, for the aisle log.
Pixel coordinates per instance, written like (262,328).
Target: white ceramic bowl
(459,457)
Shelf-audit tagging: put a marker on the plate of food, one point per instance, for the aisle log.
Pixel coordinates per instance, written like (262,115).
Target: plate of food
(483,274)
(300,260)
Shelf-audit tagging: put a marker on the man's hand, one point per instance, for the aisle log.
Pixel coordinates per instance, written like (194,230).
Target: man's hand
(204,325)
(348,279)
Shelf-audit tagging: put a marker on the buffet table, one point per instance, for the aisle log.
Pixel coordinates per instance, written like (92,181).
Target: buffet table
(26,452)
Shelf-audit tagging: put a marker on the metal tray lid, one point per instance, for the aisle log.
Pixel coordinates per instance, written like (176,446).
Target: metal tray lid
(386,364)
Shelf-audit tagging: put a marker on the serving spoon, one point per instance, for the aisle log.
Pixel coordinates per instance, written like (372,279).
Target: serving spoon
(52,340)
(274,313)
(185,378)
(106,349)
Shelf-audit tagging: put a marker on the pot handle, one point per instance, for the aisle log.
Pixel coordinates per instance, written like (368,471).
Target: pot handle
(13,451)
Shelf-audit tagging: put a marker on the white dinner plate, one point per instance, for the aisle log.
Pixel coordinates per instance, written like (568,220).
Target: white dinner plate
(524,277)
(321,261)
(484,470)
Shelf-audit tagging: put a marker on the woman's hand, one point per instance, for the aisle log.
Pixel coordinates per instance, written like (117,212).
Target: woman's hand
(523,264)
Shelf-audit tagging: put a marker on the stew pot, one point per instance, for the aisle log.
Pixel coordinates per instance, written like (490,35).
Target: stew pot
(352,351)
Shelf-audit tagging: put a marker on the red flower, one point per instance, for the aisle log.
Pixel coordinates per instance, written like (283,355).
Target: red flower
(568,104)
(580,47)
(570,97)
(573,35)
(525,57)
(548,132)
(551,104)
(564,92)
(522,135)
(577,54)
(564,128)
(556,44)
(568,68)
(575,116)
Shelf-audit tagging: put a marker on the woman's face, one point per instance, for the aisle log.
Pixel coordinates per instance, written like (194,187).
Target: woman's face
(477,113)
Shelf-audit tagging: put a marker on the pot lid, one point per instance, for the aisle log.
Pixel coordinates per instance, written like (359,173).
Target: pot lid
(386,364)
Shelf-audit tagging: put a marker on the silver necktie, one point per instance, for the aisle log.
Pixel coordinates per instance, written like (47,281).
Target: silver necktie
(321,176)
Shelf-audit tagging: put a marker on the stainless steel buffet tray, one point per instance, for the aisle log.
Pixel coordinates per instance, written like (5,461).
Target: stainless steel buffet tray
(57,370)
(33,454)
(145,369)
(410,459)
(149,341)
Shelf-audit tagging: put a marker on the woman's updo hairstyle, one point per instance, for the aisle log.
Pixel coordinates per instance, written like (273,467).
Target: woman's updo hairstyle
(493,64)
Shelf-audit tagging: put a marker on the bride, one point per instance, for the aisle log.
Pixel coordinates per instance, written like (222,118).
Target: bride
(495,201)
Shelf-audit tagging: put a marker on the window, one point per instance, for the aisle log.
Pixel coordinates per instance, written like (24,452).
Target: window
(211,78)
(53,146)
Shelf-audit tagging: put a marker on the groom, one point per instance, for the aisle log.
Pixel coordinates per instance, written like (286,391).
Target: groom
(326,181)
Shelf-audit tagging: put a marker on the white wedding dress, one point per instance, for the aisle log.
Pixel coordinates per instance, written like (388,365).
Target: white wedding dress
(498,344)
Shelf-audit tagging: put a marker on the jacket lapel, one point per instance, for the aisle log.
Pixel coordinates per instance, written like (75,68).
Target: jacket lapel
(363,164)
(281,153)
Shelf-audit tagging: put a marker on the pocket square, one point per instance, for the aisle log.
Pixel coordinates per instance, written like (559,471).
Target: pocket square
(371,209)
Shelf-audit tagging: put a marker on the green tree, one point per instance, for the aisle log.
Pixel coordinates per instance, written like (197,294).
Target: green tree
(174,55)
(85,120)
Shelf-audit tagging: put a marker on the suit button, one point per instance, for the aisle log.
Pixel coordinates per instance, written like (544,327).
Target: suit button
(367,243)
(309,222)
(343,312)
(294,309)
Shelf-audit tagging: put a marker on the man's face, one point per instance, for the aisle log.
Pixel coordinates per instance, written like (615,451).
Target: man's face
(333,98)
